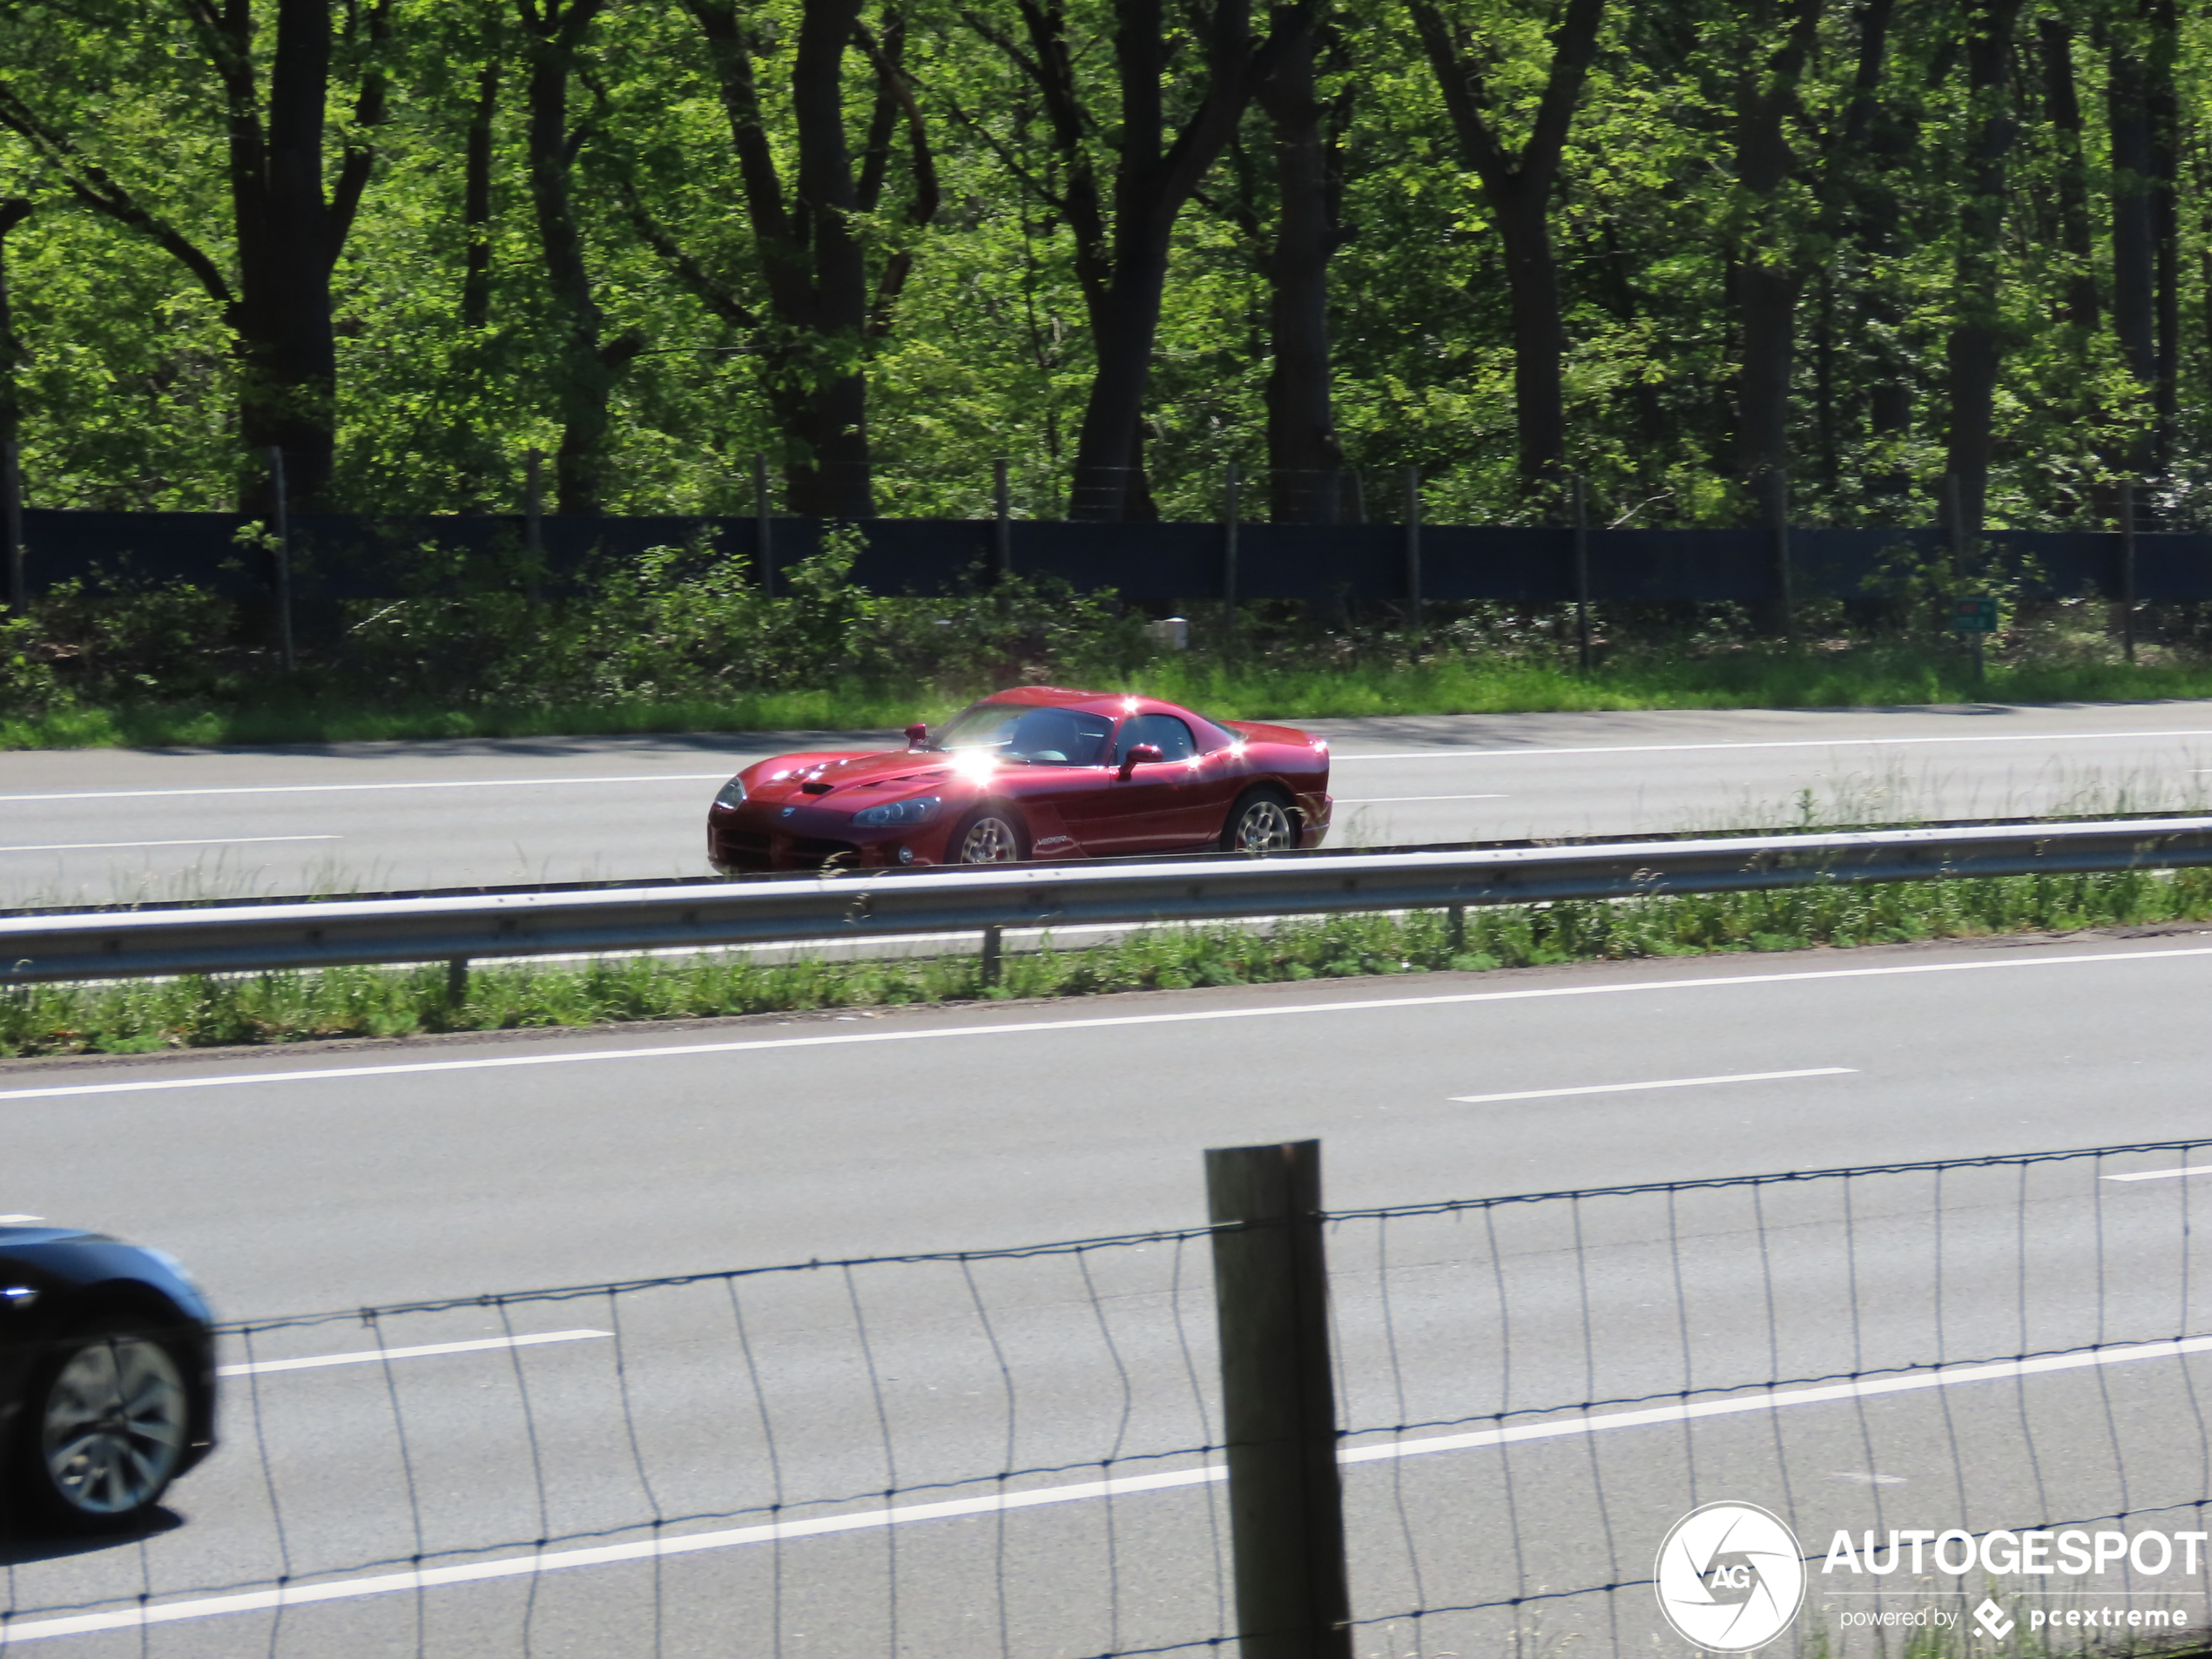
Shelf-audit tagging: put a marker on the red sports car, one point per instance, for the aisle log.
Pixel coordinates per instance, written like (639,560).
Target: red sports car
(1035,773)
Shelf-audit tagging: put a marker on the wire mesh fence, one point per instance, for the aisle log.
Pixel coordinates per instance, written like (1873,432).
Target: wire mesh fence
(1019,1452)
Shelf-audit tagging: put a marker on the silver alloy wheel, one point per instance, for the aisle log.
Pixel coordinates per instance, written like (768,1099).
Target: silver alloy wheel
(113,1430)
(989,841)
(1264,825)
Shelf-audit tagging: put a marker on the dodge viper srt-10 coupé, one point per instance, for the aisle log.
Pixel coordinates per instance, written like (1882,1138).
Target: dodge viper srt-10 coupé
(107,1377)
(1039,773)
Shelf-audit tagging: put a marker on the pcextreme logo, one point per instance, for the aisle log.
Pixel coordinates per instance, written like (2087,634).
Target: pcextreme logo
(1731,1577)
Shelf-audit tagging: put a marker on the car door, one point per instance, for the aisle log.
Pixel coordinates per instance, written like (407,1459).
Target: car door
(1144,812)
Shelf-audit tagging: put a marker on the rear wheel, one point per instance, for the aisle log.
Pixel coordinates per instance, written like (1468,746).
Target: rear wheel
(1262,820)
(989,835)
(103,1431)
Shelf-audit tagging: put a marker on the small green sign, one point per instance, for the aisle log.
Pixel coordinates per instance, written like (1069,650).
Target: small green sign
(1973,616)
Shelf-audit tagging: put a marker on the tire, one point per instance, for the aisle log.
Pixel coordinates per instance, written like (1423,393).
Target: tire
(988,835)
(104,1429)
(1262,821)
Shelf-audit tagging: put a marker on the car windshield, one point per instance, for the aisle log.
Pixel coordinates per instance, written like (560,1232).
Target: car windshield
(1019,731)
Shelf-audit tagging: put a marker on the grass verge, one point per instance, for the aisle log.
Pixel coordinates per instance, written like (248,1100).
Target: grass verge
(126,1018)
(1754,676)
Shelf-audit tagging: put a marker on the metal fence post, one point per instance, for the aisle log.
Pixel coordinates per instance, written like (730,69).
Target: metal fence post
(534,522)
(1582,571)
(1285,1497)
(1230,479)
(1002,507)
(1413,544)
(763,549)
(2127,566)
(11,524)
(283,557)
(1785,589)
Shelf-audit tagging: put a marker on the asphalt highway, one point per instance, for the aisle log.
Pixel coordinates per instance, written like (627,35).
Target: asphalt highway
(378,1173)
(97,825)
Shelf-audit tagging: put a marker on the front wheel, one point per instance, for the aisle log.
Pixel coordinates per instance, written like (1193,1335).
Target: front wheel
(103,1431)
(1263,821)
(990,836)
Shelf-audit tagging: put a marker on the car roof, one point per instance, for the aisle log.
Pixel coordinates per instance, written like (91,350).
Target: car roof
(1061,697)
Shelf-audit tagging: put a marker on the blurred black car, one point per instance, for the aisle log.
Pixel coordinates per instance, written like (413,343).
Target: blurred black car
(107,1377)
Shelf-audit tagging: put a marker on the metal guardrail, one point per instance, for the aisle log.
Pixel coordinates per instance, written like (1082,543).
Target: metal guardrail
(40,947)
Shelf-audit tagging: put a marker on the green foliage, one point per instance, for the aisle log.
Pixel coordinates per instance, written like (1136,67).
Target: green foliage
(377,1002)
(131,385)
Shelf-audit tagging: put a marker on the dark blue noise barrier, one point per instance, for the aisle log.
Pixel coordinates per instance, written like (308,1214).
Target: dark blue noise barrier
(338,557)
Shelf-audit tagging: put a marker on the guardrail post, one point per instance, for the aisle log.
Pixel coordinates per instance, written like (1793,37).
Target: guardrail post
(456,981)
(993,955)
(1285,1496)
(283,557)
(1455,928)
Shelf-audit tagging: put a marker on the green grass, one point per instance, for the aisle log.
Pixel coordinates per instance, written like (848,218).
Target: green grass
(1279,688)
(125,1018)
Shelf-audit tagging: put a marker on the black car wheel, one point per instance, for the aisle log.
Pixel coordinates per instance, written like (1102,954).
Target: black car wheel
(104,1429)
(1263,821)
(990,835)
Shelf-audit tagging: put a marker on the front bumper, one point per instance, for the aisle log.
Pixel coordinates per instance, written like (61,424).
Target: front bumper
(760,838)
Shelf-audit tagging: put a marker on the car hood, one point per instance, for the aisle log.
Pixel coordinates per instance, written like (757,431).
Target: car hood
(853,780)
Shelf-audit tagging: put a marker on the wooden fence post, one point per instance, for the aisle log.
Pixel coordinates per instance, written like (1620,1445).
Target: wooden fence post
(1285,1497)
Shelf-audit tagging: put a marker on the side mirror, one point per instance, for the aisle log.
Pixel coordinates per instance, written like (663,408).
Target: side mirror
(917,735)
(1143,754)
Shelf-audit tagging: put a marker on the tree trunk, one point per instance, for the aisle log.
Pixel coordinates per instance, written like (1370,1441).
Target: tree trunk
(2063,101)
(289,233)
(476,206)
(1975,350)
(1520,187)
(822,315)
(1524,209)
(584,369)
(13,211)
(1769,269)
(1305,461)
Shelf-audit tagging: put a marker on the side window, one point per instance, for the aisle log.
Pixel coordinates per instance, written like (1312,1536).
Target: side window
(1169,734)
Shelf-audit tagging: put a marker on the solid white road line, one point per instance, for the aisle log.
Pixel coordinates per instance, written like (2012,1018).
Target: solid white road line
(1778,743)
(1669,1082)
(1199,1016)
(372,1356)
(211,841)
(1074,1491)
(434,783)
(2163,1174)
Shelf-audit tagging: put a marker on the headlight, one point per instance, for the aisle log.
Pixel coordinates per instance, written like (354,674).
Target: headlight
(919,810)
(732,795)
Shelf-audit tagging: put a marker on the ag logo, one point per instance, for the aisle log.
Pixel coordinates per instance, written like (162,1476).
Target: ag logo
(1731,1577)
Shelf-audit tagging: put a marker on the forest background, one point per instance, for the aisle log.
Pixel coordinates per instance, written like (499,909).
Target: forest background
(1695,251)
